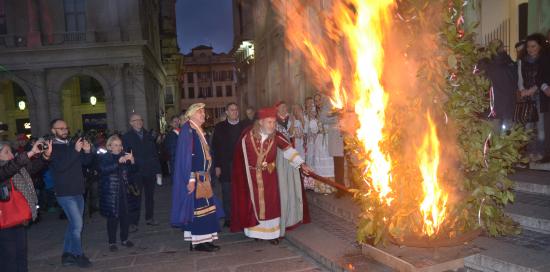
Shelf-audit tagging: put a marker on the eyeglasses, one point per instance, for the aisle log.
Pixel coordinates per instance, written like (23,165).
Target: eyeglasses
(62,128)
(135,120)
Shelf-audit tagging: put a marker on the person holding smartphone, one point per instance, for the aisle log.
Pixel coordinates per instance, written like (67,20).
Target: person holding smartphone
(67,160)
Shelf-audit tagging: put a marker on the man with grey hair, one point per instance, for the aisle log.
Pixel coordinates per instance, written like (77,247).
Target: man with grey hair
(142,144)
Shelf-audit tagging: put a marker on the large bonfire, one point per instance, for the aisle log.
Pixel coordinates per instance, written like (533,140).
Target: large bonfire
(390,68)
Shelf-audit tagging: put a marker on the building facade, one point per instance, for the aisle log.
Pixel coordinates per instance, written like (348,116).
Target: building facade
(60,53)
(209,78)
(267,71)
(508,20)
(171,58)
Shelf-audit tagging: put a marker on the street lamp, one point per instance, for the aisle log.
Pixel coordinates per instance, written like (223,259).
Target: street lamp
(21,105)
(93,100)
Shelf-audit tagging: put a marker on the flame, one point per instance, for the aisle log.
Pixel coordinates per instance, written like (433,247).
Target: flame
(364,34)
(343,47)
(359,24)
(435,199)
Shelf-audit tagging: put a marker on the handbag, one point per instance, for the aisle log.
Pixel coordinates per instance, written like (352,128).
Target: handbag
(204,188)
(526,111)
(15,211)
(133,189)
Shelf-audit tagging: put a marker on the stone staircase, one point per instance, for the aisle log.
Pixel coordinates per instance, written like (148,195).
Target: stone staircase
(529,251)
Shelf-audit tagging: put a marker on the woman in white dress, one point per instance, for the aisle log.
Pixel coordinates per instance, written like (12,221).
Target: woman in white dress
(317,155)
(297,129)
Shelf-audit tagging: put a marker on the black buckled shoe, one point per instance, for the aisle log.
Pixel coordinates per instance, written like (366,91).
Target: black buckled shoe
(212,245)
(202,247)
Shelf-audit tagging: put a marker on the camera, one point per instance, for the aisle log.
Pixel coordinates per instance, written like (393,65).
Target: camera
(43,146)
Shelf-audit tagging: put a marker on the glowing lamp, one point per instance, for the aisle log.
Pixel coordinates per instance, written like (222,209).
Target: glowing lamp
(21,105)
(93,100)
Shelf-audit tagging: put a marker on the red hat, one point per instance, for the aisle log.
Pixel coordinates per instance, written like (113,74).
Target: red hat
(267,113)
(22,137)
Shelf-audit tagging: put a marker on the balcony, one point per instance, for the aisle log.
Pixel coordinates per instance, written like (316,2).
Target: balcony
(15,41)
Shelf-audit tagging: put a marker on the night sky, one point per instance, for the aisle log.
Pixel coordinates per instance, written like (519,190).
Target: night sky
(208,22)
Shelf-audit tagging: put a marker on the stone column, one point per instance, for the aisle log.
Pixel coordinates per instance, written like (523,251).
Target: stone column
(54,95)
(136,93)
(117,98)
(39,112)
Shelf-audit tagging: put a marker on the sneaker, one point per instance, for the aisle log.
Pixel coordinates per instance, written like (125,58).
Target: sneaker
(133,228)
(82,261)
(127,243)
(113,247)
(152,222)
(68,259)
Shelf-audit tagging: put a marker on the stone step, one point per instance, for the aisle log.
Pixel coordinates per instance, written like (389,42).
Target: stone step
(540,166)
(532,211)
(527,252)
(532,181)
(332,243)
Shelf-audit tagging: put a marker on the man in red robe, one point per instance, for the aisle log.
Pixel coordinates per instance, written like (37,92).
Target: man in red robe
(256,206)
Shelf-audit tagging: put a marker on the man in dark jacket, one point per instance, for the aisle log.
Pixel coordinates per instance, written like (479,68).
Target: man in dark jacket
(172,139)
(226,136)
(142,144)
(502,73)
(69,184)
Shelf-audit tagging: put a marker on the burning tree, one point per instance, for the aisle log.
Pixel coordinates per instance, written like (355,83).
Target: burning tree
(403,77)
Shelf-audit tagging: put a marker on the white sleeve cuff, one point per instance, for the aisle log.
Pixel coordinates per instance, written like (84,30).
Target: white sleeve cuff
(293,157)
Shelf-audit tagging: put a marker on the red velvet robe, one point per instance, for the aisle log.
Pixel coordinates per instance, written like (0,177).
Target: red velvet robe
(244,213)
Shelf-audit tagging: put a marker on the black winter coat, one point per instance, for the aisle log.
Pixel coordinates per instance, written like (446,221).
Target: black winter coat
(113,187)
(503,74)
(145,152)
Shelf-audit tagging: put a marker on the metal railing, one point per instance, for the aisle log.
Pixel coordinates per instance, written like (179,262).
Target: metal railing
(501,32)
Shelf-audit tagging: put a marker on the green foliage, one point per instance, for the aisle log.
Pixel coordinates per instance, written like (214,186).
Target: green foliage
(484,157)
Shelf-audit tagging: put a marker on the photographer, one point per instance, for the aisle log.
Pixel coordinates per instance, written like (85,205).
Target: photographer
(13,237)
(115,168)
(67,160)
(13,166)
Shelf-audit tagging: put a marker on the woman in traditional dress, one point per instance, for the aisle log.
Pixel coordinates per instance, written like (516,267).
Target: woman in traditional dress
(297,129)
(317,153)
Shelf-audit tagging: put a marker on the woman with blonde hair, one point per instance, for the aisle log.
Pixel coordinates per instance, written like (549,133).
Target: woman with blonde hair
(116,168)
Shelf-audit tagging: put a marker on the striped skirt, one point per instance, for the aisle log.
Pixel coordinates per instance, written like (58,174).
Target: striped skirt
(205,225)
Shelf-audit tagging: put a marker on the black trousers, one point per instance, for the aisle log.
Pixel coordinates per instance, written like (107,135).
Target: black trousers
(146,185)
(13,249)
(122,220)
(226,196)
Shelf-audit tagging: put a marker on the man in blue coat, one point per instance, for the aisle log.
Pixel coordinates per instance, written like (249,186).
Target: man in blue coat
(195,209)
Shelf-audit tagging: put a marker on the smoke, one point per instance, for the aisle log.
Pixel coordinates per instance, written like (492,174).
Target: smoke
(412,77)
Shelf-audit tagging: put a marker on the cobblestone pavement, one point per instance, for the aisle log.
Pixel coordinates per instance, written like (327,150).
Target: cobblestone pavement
(160,248)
